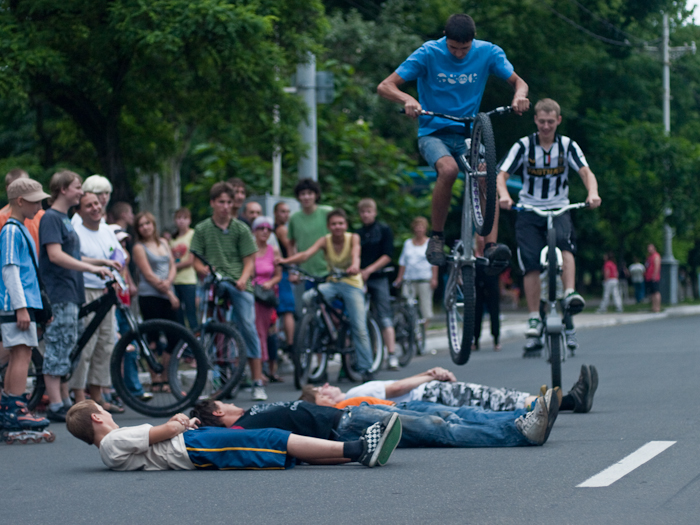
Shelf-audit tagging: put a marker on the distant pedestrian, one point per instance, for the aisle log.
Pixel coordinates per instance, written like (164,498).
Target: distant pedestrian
(636,270)
(610,285)
(286,307)
(652,276)
(186,278)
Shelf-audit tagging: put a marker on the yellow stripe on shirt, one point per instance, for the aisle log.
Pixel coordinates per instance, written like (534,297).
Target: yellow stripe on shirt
(236,448)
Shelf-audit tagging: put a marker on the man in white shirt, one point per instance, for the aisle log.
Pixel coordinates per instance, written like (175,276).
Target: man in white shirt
(97,241)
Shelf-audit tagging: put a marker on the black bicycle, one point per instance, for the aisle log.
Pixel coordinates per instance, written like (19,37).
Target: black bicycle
(479,170)
(222,343)
(324,331)
(553,326)
(407,315)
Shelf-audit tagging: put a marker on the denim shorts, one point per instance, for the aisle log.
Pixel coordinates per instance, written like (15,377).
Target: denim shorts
(437,145)
(60,337)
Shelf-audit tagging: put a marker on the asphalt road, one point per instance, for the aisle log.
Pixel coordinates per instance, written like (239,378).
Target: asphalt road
(648,393)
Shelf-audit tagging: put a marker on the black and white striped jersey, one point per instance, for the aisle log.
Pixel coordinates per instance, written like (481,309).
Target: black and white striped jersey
(545,173)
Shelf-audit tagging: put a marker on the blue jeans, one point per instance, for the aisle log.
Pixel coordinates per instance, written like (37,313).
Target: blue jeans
(244,316)
(433,425)
(187,293)
(354,301)
(131,373)
(639,292)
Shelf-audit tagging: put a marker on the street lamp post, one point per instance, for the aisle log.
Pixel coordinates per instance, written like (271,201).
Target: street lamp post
(669,264)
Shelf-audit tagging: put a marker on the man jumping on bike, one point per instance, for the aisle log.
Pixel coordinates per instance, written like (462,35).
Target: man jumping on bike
(544,159)
(452,74)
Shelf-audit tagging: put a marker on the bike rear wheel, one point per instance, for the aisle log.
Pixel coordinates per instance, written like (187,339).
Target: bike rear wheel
(175,349)
(226,357)
(376,346)
(460,305)
(552,264)
(481,189)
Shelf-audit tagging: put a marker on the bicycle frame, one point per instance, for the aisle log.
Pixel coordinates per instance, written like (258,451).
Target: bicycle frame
(101,307)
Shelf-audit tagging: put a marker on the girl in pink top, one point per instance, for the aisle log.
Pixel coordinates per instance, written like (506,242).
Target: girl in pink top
(267,275)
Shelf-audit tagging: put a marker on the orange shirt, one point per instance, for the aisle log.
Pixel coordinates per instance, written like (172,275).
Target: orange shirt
(356,401)
(31,224)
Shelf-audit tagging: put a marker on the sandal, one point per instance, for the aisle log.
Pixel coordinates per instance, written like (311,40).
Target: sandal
(160,387)
(110,407)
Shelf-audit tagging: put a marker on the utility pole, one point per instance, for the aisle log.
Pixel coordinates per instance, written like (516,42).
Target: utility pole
(307,167)
(669,264)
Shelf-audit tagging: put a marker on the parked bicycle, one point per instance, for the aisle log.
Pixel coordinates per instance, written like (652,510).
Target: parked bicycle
(552,337)
(222,343)
(324,331)
(479,208)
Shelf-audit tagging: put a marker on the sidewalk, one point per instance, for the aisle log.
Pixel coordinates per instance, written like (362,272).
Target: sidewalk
(513,323)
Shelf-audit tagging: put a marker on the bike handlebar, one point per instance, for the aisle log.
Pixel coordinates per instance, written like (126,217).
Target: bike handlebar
(554,212)
(498,111)
(338,274)
(206,263)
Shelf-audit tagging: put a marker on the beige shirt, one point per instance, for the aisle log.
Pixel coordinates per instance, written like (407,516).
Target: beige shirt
(128,449)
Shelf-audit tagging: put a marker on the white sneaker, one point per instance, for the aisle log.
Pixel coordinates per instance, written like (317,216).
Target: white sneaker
(534,327)
(259,393)
(393,362)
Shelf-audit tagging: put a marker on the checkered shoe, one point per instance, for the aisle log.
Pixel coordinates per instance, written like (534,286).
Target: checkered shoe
(379,441)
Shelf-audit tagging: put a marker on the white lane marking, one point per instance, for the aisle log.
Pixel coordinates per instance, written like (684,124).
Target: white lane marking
(626,465)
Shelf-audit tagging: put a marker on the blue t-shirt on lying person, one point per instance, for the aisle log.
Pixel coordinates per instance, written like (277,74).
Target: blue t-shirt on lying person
(14,250)
(449,85)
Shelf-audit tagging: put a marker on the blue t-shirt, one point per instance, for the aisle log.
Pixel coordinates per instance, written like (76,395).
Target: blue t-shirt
(449,85)
(62,285)
(14,250)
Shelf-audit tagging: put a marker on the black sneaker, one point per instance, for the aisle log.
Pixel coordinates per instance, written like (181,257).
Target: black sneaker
(499,259)
(581,391)
(594,386)
(379,441)
(574,303)
(367,376)
(57,415)
(435,253)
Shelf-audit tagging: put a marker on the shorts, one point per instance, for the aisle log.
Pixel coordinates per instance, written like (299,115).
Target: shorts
(214,448)
(381,298)
(60,338)
(652,287)
(286,295)
(531,236)
(437,145)
(13,336)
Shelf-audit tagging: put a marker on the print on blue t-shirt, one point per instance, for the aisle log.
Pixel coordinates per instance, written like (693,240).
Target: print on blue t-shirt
(449,85)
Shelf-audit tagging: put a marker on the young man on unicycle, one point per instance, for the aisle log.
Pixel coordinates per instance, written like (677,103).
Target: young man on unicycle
(544,159)
(452,74)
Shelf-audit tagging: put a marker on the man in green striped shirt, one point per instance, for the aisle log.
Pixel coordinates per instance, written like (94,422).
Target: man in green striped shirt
(229,246)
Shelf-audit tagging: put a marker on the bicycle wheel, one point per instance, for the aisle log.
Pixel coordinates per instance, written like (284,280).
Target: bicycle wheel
(225,351)
(482,188)
(309,366)
(459,304)
(555,349)
(552,264)
(179,354)
(376,346)
(405,335)
(419,335)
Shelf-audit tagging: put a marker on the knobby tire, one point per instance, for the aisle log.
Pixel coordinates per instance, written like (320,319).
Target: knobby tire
(482,190)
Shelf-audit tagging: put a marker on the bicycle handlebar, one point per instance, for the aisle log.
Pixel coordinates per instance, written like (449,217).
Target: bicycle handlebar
(338,274)
(206,263)
(554,212)
(498,111)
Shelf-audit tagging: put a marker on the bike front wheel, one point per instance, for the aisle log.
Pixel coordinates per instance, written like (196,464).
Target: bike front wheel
(177,365)
(405,335)
(460,306)
(225,351)
(309,366)
(555,342)
(481,187)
